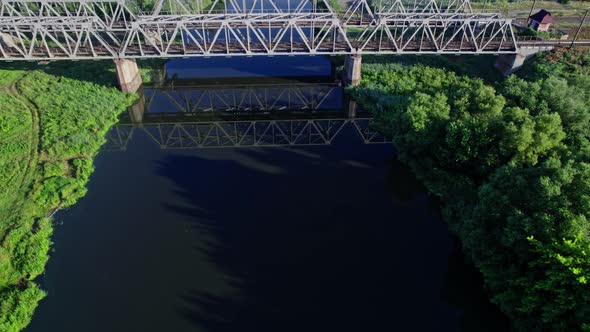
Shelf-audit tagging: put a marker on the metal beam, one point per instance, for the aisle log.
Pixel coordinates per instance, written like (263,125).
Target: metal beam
(245,99)
(32,38)
(111,29)
(240,134)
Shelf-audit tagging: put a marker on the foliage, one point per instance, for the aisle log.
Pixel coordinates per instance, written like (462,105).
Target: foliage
(51,127)
(480,66)
(336,6)
(512,168)
(552,34)
(557,8)
(72,126)
(150,69)
(527,32)
(567,63)
(543,34)
(168,6)
(17,305)
(9,76)
(15,144)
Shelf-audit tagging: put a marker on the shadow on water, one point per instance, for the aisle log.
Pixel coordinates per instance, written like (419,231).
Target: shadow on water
(463,289)
(294,265)
(364,258)
(402,184)
(463,286)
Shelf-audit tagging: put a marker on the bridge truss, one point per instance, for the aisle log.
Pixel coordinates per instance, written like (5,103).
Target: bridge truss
(236,134)
(243,98)
(95,29)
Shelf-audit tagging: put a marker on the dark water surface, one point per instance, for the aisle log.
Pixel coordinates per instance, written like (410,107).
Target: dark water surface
(329,237)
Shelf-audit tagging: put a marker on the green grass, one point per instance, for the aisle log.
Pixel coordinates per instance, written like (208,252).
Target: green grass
(9,76)
(15,144)
(573,8)
(53,120)
(71,126)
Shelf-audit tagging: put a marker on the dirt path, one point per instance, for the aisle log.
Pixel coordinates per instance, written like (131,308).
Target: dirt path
(34,150)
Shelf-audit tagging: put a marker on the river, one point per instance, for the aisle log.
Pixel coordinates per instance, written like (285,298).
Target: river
(308,224)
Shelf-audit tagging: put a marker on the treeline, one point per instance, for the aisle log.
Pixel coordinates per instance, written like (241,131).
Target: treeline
(511,166)
(173,7)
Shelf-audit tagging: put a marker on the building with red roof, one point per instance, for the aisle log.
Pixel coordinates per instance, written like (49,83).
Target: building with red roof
(541,21)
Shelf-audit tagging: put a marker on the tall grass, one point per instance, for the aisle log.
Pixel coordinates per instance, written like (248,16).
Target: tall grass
(51,127)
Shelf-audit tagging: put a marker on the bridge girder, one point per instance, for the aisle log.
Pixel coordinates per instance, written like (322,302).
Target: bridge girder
(246,99)
(85,29)
(114,14)
(363,12)
(39,38)
(240,134)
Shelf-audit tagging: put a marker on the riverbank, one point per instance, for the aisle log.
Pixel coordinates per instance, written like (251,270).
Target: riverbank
(510,166)
(53,120)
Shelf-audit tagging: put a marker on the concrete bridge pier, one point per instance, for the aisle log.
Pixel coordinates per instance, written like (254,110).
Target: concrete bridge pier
(158,75)
(350,108)
(137,110)
(352,69)
(509,63)
(128,75)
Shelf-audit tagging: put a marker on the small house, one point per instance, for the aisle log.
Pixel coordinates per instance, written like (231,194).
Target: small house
(541,21)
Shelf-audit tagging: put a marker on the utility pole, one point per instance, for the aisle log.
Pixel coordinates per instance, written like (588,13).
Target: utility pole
(531,12)
(580,28)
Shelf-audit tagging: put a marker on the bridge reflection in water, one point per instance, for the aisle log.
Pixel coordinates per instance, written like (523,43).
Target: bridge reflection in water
(178,116)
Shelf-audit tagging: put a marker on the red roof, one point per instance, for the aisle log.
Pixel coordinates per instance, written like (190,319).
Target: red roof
(543,17)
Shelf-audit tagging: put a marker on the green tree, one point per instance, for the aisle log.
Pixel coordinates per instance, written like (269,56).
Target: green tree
(512,169)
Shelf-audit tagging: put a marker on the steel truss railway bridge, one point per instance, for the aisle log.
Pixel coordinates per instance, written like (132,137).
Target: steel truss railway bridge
(42,30)
(243,116)
(236,133)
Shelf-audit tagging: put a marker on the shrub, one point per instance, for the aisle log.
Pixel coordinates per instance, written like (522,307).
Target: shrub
(512,169)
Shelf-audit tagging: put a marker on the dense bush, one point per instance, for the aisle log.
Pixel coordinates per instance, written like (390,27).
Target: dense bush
(570,64)
(512,169)
(17,305)
(168,6)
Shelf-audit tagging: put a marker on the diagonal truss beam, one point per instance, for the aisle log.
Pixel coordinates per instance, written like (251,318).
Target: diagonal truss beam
(239,134)
(437,33)
(243,99)
(264,34)
(114,14)
(363,12)
(79,29)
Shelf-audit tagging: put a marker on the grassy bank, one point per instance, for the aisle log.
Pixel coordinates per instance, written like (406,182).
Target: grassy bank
(51,127)
(522,8)
(511,166)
